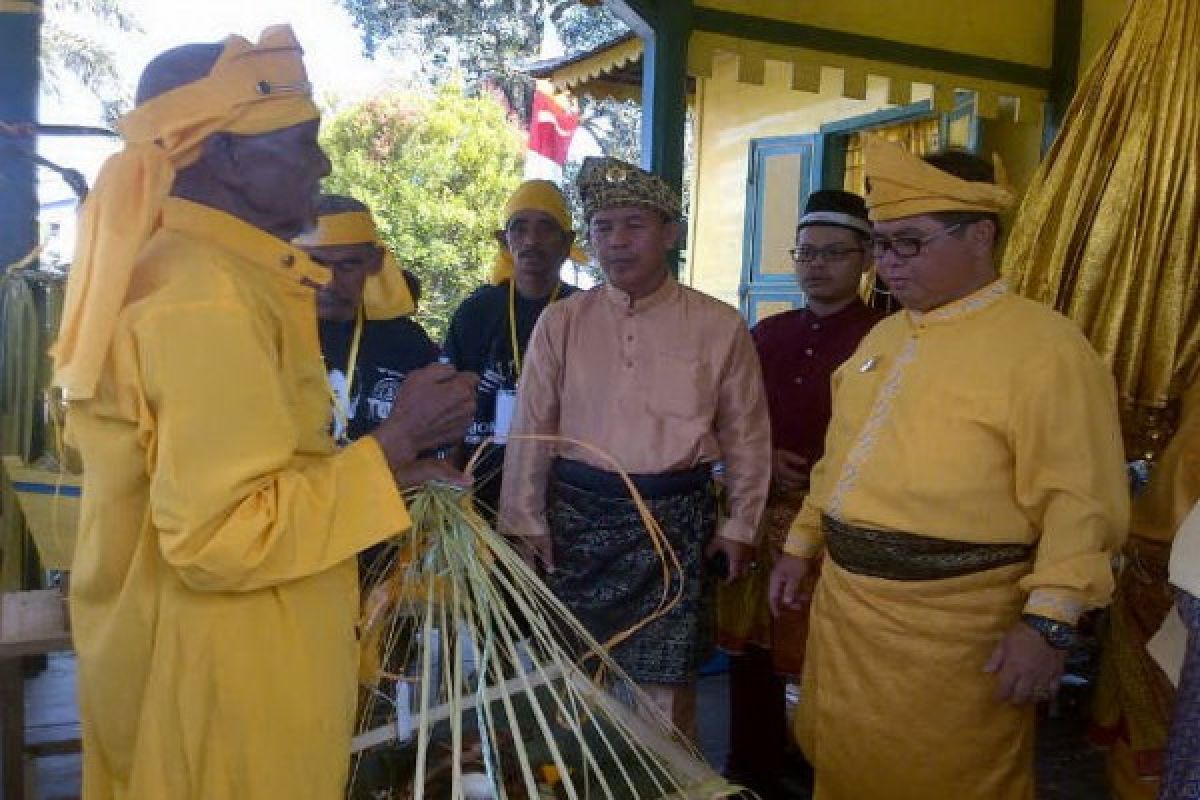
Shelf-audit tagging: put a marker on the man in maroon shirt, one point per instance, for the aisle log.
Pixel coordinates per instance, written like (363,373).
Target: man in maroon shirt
(799,351)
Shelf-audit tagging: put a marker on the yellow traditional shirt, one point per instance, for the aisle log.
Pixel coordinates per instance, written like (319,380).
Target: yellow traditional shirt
(214,593)
(990,420)
(665,383)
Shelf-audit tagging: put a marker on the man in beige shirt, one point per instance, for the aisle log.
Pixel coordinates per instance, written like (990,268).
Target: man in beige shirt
(665,381)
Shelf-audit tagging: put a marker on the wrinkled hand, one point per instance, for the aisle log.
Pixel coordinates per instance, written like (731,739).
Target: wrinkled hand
(789,471)
(1026,666)
(433,407)
(424,470)
(739,556)
(785,592)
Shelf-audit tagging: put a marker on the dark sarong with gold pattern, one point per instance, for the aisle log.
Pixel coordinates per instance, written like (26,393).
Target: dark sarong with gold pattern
(610,577)
(743,615)
(1181,773)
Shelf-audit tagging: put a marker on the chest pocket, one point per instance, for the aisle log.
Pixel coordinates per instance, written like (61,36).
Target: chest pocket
(681,386)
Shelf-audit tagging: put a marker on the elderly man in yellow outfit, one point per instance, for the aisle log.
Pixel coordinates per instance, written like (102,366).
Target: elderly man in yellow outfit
(214,596)
(969,501)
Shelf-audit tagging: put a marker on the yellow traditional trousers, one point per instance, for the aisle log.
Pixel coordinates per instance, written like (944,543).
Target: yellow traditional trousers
(895,704)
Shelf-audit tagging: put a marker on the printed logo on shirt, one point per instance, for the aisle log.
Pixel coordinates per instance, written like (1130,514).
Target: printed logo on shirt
(383,395)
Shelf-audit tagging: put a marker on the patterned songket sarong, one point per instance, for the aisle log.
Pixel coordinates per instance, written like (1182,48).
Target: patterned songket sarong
(610,577)
(1181,779)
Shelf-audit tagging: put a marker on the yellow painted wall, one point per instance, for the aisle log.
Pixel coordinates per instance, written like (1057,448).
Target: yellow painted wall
(1013,30)
(730,114)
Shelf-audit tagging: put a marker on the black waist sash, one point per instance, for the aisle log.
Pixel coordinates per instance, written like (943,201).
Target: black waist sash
(899,556)
(610,484)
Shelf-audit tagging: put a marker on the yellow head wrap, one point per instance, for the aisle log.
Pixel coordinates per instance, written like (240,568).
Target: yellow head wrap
(535,195)
(386,294)
(900,184)
(252,89)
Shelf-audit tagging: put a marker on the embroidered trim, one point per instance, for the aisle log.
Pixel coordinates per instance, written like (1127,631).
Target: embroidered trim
(869,434)
(1050,600)
(967,305)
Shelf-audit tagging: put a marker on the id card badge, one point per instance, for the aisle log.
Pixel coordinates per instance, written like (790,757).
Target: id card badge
(506,409)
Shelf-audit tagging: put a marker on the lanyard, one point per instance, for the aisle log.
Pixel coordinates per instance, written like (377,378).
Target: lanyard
(341,406)
(512,319)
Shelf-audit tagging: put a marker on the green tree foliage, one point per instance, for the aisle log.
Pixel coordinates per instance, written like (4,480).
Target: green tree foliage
(489,41)
(436,172)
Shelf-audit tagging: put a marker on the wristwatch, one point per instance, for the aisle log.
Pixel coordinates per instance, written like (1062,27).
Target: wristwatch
(1058,635)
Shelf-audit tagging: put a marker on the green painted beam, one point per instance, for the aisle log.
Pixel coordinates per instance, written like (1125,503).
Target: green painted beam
(664,96)
(1064,66)
(19,38)
(773,31)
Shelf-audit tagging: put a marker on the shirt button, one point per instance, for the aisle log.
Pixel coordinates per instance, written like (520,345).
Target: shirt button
(629,338)
(287,260)
(799,380)
(629,365)
(808,351)
(816,326)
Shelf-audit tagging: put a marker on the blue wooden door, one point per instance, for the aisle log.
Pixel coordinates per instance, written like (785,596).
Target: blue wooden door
(780,177)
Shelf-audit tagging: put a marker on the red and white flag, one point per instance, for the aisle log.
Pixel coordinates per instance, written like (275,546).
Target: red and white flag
(552,126)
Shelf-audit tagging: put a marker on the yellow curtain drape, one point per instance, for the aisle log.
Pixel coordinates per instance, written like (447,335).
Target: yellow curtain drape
(919,137)
(1109,230)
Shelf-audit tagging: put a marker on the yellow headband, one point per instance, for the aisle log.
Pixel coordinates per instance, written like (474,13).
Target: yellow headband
(252,89)
(534,195)
(900,184)
(341,228)
(386,294)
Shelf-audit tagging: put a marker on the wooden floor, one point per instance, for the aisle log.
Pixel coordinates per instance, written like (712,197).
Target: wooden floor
(52,715)
(1067,768)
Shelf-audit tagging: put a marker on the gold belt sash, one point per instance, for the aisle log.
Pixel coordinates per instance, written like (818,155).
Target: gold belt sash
(899,556)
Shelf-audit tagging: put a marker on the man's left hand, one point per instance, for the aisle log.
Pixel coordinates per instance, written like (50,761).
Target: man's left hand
(739,555)
(1026,667)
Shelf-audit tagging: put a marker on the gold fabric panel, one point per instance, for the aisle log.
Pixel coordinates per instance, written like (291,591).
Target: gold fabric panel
(920,137)
(1110,228)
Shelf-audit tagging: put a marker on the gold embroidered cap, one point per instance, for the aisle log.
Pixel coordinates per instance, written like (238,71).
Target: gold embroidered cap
(606,182)
(900,184)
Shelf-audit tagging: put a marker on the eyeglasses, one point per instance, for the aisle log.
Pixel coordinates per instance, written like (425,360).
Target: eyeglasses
(907,246)
(833,254)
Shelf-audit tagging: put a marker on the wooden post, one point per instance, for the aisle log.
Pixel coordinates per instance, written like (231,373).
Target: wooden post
(665,27)
(20,30)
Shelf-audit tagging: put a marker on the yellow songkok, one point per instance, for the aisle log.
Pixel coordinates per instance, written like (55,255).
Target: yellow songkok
(900,184)
(252,89)
(386,294)
(535,195)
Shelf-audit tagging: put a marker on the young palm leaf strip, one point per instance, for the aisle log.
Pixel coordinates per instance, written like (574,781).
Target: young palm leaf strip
(480,683)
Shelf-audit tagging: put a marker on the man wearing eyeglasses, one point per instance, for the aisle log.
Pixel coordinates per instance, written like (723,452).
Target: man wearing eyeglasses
(798,350)
(969,502)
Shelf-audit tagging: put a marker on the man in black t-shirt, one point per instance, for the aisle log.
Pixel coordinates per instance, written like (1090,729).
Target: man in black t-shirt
(498,319)
(368,341)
